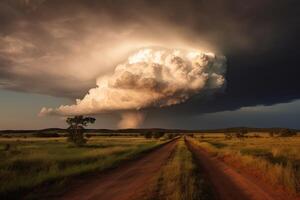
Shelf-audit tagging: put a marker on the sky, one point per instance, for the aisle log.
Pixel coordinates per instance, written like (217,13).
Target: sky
(146,63)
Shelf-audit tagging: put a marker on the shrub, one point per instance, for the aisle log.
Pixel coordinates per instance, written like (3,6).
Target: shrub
(7,147)
(287,133)
(42,134)
(190,135)
(241,133)
(158,135)
(148,135)
(170,136)
(228,136)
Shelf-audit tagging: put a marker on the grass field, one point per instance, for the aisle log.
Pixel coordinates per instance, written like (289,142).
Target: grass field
(33,165)
(26,163)
(274,159)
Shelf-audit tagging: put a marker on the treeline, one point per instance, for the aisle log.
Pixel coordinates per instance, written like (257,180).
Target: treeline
(275,132)
(48,130)
(247,129)
(158,135)
(56,132)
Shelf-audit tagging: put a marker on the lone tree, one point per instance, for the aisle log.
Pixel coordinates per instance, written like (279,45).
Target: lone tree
(76,128)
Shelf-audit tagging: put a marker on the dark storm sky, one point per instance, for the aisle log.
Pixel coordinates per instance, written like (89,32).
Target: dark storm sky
(39,42)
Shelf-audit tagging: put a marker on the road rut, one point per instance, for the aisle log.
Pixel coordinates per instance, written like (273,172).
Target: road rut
(126,182)
(227,183)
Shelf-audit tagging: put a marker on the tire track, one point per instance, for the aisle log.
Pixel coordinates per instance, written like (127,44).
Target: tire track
(227,183)
(126,182)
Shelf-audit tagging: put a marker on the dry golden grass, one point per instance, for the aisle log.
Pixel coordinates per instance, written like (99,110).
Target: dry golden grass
(275,160)
(179,179)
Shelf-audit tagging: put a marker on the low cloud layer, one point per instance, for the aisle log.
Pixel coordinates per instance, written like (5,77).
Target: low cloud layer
(151,77)
(75,44)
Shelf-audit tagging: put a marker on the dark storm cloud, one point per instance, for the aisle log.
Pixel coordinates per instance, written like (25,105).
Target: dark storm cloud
(258,38)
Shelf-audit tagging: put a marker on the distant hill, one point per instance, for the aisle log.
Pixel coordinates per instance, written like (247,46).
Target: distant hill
(225,130)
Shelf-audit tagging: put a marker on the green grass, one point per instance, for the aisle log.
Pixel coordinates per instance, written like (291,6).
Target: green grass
(180,179)
(276,160)
(33,162)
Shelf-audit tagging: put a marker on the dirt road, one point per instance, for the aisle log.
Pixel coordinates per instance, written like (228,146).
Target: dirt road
(128,181)
(228,183)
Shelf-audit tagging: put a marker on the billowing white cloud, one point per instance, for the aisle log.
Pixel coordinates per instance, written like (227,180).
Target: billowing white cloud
(151,77)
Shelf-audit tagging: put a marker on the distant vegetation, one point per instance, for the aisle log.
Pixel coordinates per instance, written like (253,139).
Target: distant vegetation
(275,132)
(159,135)
(283,132)
(117,132)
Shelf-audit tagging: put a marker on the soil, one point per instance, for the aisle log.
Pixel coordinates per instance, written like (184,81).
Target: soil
(228,183)
(126,182)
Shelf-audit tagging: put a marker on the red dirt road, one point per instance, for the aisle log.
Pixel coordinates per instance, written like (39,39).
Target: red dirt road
(228,183)
(126,182)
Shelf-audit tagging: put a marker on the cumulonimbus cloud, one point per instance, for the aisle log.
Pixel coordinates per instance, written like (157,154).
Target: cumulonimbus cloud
(151,77)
